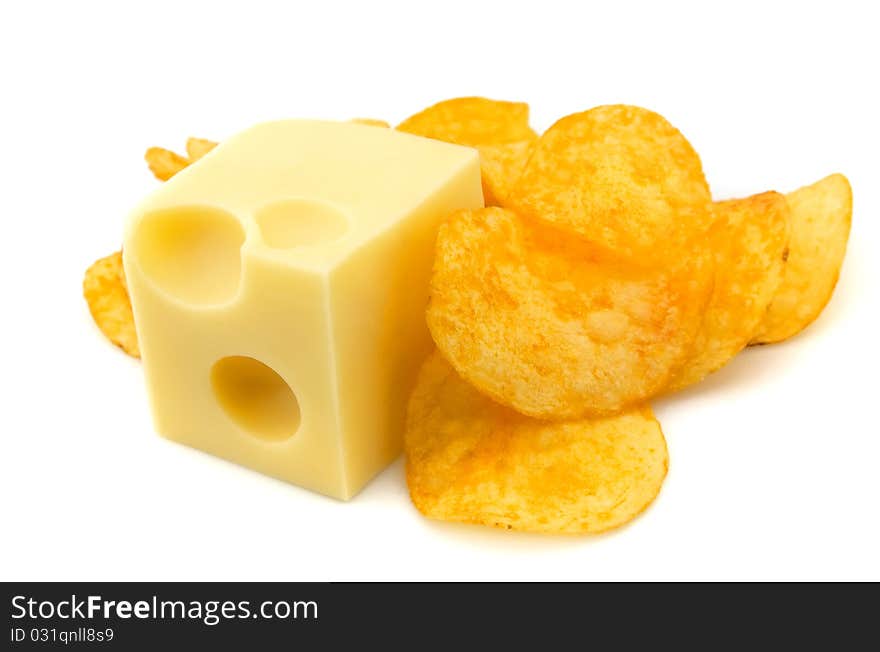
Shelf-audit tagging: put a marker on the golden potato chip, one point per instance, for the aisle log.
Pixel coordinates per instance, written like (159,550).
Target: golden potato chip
(554,327)
(105,293)
(472,121)
(500,166)
(474,461)
(499,130)
(196,148)
(820,220)
(372,122)
(749,240)
(619,176)
(164,163)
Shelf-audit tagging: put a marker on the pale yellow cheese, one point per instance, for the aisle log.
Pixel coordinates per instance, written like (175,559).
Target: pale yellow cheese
(279,288)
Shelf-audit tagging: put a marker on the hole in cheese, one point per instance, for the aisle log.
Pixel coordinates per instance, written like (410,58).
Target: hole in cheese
(300,222)
(192,253)
(255,397)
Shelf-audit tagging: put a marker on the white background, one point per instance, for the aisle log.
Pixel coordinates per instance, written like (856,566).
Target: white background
(774,461)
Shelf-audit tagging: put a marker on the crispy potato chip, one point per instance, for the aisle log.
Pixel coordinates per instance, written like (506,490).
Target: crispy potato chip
(619,176)
(820,221)
(164,163)
(500,166)
(499,130)
(104,291)
(749,240)
(196,148)
(372,122)
(553,327)
(472,121)
(474,461)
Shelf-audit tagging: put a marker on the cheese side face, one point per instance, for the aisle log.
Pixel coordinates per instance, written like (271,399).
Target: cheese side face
(279,288)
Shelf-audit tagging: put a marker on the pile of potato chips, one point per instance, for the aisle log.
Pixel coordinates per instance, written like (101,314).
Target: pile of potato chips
(600,274)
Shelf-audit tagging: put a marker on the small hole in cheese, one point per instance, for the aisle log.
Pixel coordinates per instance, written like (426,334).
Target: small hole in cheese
(192,253)
(255,397)
(300,222)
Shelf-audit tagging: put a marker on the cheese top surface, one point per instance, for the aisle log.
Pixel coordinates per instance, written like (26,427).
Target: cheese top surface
(308,192)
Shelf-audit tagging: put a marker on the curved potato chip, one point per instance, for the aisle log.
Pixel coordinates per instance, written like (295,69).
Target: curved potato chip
(820,221)
(619,176)
(371,122)
(164,163)
(749,240)
(104,291)
(472,121)
(499,130)
(474,461)
(553,327)
(196,148)
(500,166)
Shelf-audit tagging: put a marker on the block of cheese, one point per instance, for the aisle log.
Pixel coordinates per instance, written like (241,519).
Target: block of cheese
(279,287)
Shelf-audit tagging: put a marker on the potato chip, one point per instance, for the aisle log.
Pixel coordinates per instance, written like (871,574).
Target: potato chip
(164,163)
(749,240)
(820,221)
(105,293)
(472,121)
(196,148)
(619,176)
(474,461)
(553,327)
(499,130)
(372,122)
(500,166)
